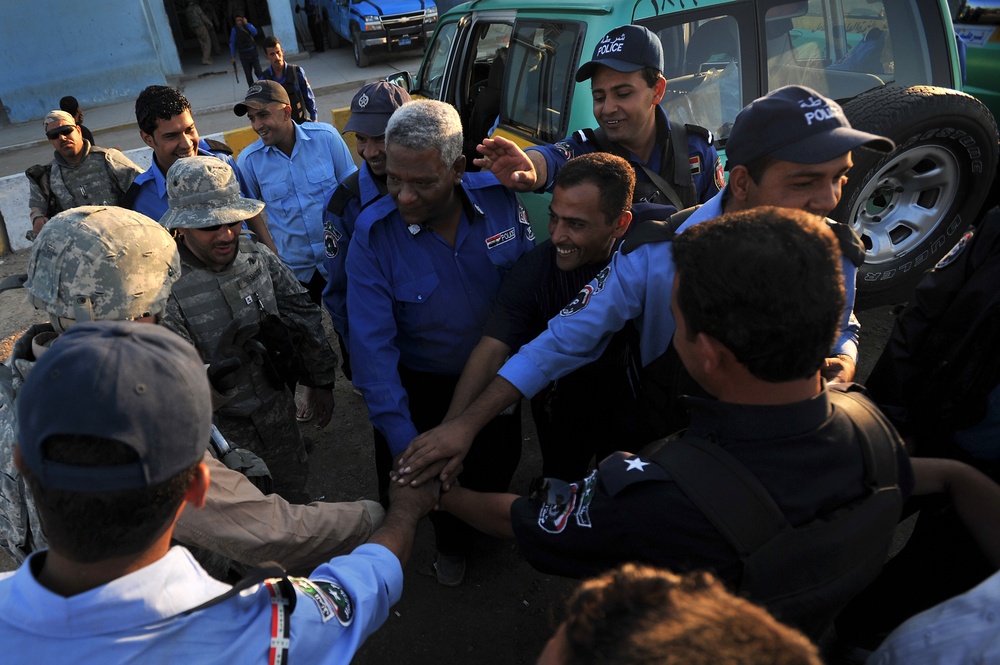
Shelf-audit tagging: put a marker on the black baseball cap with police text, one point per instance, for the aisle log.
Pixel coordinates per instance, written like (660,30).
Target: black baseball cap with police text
(260,94)
(796,124)
(628,48)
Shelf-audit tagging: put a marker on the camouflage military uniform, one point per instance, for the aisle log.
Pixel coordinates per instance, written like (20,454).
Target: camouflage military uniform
(20,528)
(259,417)
(100,179)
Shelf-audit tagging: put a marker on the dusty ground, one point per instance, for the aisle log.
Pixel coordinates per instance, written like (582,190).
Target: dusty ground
(505,611)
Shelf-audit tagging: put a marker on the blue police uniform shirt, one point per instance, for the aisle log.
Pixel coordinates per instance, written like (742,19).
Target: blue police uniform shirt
(704,161)
(140,617)
(338,229)
(636,286)
(296,190)
(415,300)
(152,199)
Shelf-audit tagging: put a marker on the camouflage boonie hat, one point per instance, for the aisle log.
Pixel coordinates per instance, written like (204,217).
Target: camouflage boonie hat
(203,191)
(102,263)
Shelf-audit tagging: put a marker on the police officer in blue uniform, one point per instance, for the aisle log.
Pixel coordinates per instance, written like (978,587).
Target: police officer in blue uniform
(791,148)
(675,165)
(425,265)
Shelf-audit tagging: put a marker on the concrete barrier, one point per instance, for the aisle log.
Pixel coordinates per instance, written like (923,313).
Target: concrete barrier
(14,188)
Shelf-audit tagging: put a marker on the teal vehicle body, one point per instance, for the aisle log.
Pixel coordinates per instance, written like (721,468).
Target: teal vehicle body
(893,64)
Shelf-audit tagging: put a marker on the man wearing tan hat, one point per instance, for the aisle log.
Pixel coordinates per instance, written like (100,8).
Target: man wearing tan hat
(71,179)
(226,277)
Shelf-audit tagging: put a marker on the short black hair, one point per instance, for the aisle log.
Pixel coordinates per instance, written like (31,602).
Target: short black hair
(158,102)
(271,42)
(93,526)
(765,282)
(69,104)
(613,176)
(651,75)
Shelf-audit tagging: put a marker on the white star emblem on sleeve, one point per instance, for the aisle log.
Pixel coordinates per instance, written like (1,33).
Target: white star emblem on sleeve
(635,464)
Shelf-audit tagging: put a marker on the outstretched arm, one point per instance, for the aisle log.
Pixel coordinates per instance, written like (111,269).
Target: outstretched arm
(975,496)
(487,511)
(451,440)
(483,364)
(516,169)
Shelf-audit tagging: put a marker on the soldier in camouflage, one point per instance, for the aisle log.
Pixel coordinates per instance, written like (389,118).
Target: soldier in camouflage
(106,263)
(79,174)
(227,276)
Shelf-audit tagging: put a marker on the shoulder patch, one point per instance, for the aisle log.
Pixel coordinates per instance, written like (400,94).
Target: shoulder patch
(565,149)
(583,297)
(522,218)
(955,251)
(330,598)
(330,237)
(562,501)
(720,174)
(620,470)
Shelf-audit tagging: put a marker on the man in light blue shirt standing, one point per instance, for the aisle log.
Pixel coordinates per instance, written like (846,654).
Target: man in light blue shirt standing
(294,170)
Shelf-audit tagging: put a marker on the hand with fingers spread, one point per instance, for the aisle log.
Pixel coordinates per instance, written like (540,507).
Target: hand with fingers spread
(512,166)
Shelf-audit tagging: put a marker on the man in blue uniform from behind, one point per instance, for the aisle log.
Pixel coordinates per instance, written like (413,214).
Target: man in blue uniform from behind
(110,478)
(425,265)
(371,109)
(627,85)
(791,148)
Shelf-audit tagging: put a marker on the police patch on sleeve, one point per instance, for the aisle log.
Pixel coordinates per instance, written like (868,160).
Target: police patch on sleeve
(522,217)
(330,598)
(330,237)
(564,501)
(586,293)
(564,149)
(720,174)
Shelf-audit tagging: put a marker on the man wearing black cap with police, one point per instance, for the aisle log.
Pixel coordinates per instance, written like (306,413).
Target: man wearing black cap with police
(627,85)
(791,148)
(370,111)
(110,478)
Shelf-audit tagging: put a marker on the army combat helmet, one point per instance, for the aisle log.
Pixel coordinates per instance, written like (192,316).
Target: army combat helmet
(96,263)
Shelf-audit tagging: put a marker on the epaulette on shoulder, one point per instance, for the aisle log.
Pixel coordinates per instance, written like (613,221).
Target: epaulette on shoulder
(652,230)
(850,244)
(621,470)
(218,146)
(702,132)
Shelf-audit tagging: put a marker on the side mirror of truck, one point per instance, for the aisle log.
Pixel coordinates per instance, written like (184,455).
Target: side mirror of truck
(402,79)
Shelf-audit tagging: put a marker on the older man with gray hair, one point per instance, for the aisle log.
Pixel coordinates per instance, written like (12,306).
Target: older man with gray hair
(424,268)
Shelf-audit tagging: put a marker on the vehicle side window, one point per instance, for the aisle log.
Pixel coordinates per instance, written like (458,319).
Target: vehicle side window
(703,69)
(539,81)
(430,81)
(839,47)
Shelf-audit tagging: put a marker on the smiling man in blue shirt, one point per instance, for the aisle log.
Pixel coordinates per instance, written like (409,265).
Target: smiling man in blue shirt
(425,265)
(294,170)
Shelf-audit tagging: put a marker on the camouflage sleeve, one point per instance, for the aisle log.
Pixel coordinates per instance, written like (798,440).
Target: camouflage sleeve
(299,311)
(38,206)
(123,168)
(173,319)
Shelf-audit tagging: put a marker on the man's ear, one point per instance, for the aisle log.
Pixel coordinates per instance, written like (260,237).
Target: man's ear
(710,352)
(740,183)
(459,168)
(286,112)
(659,89)
(198,489)
(147,138)
(621,224)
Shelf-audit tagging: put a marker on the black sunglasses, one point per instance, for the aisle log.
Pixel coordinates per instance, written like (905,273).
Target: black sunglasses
(65,130)
(216,227)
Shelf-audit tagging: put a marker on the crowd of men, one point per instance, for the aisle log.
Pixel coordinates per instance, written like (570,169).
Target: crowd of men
(687,344)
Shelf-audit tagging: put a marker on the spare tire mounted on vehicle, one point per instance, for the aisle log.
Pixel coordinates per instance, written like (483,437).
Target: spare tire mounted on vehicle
(912,205)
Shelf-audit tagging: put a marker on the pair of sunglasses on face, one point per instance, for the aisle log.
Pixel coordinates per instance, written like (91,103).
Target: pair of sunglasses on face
(65,130)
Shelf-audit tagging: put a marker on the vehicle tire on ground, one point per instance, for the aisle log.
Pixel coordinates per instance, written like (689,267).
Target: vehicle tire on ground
(911,206)
(361,58)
